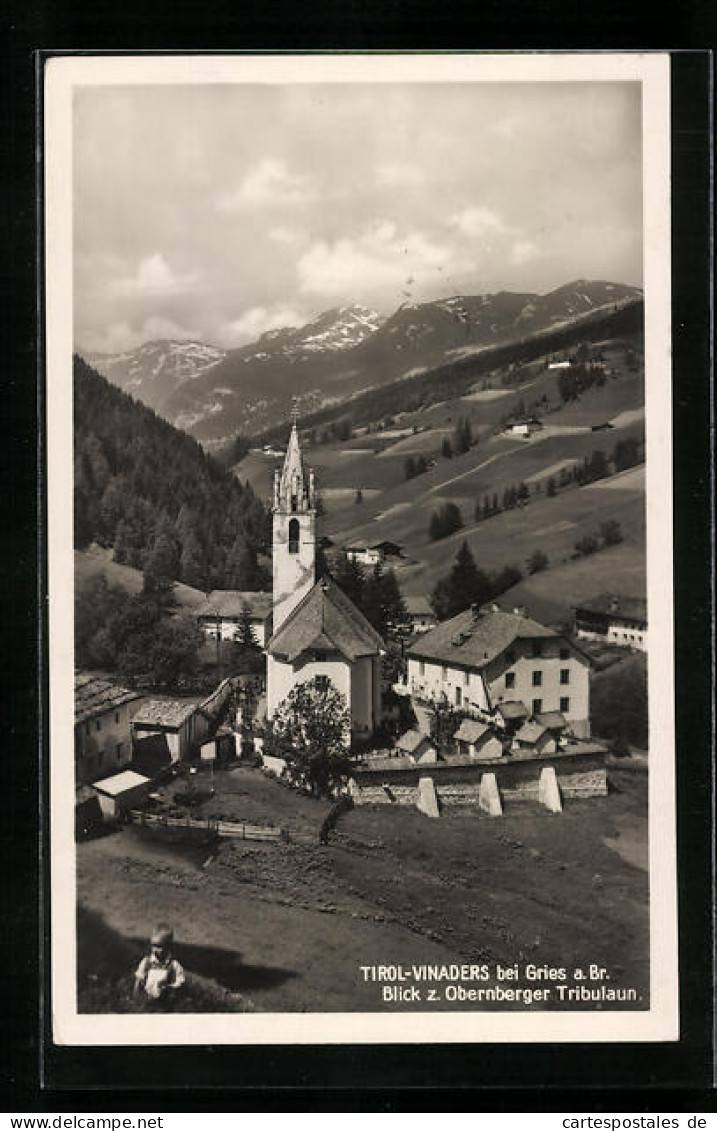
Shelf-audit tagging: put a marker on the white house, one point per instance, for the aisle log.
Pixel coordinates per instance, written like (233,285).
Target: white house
(222,613)
(613,619)
(483,658)
(103,717)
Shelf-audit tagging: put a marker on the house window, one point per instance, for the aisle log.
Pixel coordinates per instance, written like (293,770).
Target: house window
(444,672)
(537,647)
(322,682)
(565,675)
(564,653)
(565,704)
(294,536)
(119,751)
(466,678)
(537,678)
(510,679)
(537,706)
(459,696)
(116,716)
(421,668)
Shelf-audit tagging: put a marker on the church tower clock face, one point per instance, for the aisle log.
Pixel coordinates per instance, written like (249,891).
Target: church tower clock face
(293,531)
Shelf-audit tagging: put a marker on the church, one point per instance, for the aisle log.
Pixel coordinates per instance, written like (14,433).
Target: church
(317,630)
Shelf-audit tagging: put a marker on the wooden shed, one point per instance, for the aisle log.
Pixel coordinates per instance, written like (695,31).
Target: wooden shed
(122,791)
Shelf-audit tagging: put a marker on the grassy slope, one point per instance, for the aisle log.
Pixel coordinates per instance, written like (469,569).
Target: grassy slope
(287,925)
(90,562)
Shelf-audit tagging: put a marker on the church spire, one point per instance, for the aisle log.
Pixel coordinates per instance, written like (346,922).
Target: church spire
(294,490)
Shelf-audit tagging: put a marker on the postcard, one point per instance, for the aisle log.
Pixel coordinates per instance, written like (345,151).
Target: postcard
(358,395)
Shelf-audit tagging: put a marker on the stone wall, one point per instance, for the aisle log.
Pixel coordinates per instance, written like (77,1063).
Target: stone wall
(578,775)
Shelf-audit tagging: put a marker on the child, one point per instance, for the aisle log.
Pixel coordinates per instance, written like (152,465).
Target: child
(158,974)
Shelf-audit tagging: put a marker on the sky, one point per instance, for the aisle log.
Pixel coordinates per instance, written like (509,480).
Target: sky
(218,212)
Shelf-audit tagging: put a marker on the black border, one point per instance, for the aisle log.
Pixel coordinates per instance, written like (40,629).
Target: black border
(512,1077)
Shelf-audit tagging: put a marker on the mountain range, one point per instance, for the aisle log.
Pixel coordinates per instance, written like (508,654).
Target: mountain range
(215,394)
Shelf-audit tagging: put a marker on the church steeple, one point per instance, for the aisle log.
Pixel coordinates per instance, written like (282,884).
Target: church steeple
(294,529)
(294,490)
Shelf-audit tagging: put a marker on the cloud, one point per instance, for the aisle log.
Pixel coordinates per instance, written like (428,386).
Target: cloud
(154,276)
(399,174)
(286,235)
(269,182)
(478,223)
(257,321)
(121,336)
(379,259)
(523,251)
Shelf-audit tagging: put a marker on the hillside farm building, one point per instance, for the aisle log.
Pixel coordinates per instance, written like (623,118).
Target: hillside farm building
(486,659)
(613,619)
(222,613)
(420,613)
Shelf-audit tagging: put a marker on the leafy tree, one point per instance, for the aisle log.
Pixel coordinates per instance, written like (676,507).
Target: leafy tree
(505,579)
(462,436)
(349,575)
(586,545)
(537,562)
(445,721)
(409,467)
(311,730)
(246,637)
(447,448)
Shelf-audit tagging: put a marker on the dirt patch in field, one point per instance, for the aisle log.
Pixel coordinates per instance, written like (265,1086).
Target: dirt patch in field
(287,926)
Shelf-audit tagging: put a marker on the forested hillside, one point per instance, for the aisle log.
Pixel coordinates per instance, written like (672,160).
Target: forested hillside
(151,492)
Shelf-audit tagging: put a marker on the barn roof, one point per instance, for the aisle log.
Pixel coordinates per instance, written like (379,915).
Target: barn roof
(531,731)
(613,604)
(472,639)
(553,720)
(119,783)
(232,602)
(94,696)
(471,730)
(326,620)
(165,712)
(512,709)
(419,607)
(409,742)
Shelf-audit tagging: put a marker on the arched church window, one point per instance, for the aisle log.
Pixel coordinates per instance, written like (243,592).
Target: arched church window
(294,536)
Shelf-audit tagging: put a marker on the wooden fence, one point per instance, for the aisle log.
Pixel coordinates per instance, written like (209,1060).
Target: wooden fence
(240,830)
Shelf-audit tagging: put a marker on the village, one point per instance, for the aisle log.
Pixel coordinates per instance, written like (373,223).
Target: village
(483,715)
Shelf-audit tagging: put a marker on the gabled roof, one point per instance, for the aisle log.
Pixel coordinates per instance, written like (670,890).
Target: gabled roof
(165,712)
(231,603)
(612,604)
(553,720)
(327,620)
(95,697)
(472,730)
(531,731)
(419,607)
(409,742)
(512,709)
(118,783)
(474,639)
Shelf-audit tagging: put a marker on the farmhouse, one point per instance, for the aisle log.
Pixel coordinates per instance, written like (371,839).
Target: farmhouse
(224,609)
(420,613)
(482,660)
(103,714)
(613,619)
(525,427)
(172,730)
(371,556)
(317,630)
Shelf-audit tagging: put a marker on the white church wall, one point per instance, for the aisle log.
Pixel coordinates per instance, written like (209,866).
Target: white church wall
(283,677)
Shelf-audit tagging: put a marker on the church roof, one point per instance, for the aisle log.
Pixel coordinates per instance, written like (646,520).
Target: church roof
(326,620)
